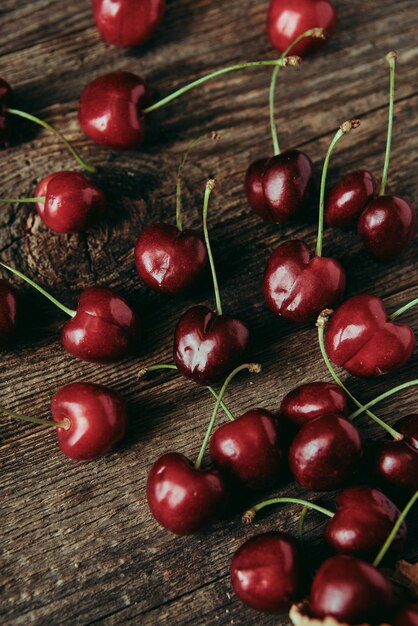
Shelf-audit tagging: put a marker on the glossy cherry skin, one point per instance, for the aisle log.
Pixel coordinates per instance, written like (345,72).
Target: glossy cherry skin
(407,615)
(6,95)
(250,449)
(279,189)
(287,19)
(267,572)
(395,465)
(9,311)
(387,227)
(348,197)
(170,260)
(184,499)
(97,419)
(362,523)
(207,346)
(311,400)
(104,329)
(298,286)
(326,453)
(72,203)
(360,338)
(110,110)
(350,590)
(127,23)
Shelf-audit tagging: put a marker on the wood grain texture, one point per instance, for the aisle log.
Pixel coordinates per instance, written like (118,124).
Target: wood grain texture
(78,545)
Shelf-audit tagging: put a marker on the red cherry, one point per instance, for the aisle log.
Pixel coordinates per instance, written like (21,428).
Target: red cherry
(326,453)
(407,615)
(287,19)
(298,286)
(348,197)
(395,465)
(387,227)
(312,400)
(350,590)
(184,499)
(110,110)
(267,572)
(6,95)
(250,449)
(279,189)
(208,346)
(362,523)
(9,310)
(360,338)
(72,203)
(127,23)
(170,260)
(408,425)
(97,419)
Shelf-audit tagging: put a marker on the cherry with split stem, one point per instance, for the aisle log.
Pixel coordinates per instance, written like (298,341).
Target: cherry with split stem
(127,23)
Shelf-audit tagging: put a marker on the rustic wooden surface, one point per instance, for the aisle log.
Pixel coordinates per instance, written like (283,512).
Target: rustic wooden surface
(78,543)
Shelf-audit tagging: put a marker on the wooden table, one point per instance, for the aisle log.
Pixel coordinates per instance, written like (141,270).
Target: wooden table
(79,545)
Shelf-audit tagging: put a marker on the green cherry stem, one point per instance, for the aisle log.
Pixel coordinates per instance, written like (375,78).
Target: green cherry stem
(394,530)
(321,323)
(204,79)
(250,514)
(313,32)
(37,120)
(210,185)
(403,309)
(383,396)
(254,368)
(302,518)
(345,128)
(8,200)
(30,282)
(391,59)
(36,420)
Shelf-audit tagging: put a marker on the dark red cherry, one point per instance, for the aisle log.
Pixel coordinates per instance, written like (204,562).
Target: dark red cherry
(326,453)
(267,572)
(362,523)
(208,346)
(407,615)
(184,499)
(387,227)
(312,400)
(250,449)
(127,23)
(5,101)
(287,19)
(279,189)
(408,425)
(360,338)
(97,419)
(298,286)
(9,308)
(72,203)
(348,197)
(104,328)
(110,110)
(395,465)
(170,260)
(351,591)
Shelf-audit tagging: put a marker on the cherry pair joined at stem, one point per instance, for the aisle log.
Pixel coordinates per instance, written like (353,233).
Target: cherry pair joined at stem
(127,23)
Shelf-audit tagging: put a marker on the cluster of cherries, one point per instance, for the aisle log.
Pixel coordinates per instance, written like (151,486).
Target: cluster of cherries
(312,436)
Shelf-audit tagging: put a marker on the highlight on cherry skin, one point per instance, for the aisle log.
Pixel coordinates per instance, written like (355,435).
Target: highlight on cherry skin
(311,400)
(127,23)
(9,313)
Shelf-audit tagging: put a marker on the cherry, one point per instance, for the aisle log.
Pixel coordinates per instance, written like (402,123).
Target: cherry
(104,327)
(408,425)
(407,615)
(395,466)
(288,19)
(312,400)
(326,453)
(9,310)
(127,23)
(267,572)
(348,197)
(362,339)
(208,345)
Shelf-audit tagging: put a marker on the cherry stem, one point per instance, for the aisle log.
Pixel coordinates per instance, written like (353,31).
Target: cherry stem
(36,420)
(23,199)
(33,118)
(254,368)
(204,79)
(302,519)
(383,396)
(394,530)
(167,366)
(345,128)
(250,514)
(313,32)
(403,309)
(210,185)
(391,59)
(30,282)
(321,323)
